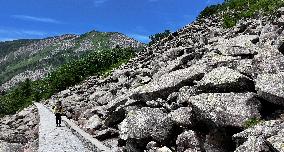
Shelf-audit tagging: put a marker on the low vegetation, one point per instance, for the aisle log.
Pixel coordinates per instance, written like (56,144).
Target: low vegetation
(95,63)
(252,122)
(47,56)
(156,37)
(234,10)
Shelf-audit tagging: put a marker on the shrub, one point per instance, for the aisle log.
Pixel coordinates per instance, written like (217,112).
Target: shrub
(229,21)
(156,37)
(236,10)
(209,10)
(17,99)
(252,122)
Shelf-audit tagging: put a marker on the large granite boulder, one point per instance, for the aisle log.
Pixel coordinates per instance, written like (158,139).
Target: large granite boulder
(226,109)
(271,87)
(247,67)
(262,136)
(224,79)
(188,140)
(96,95)
(170,82)
(183,116)
(10,147)
(269,60)
(146,123)
(277,141)
(242,45)
(93,123)
(19,132)
(253,144)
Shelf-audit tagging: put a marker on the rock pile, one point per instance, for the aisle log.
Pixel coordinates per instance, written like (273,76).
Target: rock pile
(19,132)
(196,90)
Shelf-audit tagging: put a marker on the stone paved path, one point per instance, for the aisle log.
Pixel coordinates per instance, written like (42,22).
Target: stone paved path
(56,139)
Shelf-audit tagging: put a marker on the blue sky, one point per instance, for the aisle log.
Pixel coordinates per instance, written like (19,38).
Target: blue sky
(21,19)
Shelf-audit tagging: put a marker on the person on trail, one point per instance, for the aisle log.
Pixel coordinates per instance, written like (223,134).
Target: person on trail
(58,110)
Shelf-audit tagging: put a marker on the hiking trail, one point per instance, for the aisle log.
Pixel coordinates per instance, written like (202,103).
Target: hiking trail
(56,139)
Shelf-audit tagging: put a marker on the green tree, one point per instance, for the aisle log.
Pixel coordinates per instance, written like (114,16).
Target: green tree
(156,37)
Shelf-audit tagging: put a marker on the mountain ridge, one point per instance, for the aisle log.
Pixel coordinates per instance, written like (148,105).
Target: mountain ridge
(35,58)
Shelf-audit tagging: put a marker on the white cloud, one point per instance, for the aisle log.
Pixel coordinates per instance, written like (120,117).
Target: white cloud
(36,19)
(153,0)
(99,2)
(31,32)
(22,32)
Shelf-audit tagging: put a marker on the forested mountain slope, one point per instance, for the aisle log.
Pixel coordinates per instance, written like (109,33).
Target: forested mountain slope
(33,59)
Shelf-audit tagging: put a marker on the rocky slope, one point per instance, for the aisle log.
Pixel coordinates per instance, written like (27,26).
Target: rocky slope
(203,88)
(19,132)
(33,59)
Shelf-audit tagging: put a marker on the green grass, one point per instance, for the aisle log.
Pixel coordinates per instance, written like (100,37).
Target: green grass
(235,10)
(252,122)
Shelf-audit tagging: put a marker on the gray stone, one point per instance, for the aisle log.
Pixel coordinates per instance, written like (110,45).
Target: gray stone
(145,80)
(164,149)
(238,46)
(173,97)
(182,116)
(93,123)
(65,93)
(10,147)
(269,60)
(246,66)
(281,10)
(280,20)
(271,87)
(96,95)
(238,51)
(226,109)
(253,144)
(265,129)
(186,92)
(151,145)
(223,80)
(277,141)
(115,117)
(174,53)
(262,136)
(146,123)
(87,114)
(169,83)
(153,104)
(106,134)
(106,98)
(118,101)
(188,140)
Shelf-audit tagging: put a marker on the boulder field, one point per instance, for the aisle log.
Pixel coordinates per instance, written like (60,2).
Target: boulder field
(203,88)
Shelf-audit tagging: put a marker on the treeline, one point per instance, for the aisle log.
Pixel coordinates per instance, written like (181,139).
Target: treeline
(235,10)
(156,37)
(95,63)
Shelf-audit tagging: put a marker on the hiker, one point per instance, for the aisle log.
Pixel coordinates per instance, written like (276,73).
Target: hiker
(58,110)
